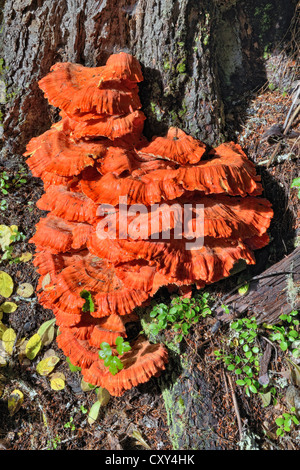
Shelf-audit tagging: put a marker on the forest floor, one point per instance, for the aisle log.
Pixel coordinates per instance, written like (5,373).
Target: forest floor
(58,419)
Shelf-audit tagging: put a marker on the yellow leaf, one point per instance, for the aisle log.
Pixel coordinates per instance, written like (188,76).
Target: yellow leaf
(25,290)
(6,284)
(14,229)
(25,257)
(140,440)
(8,307)
(2,329)
(47,331)
(86,387)
(5,234)
(33,346)
(46,366)
(15,401)
(57,383)
(103,396)
(8,340)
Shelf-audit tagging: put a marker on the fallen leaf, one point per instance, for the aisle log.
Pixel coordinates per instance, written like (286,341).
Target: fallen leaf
(33,346)
(8,340)
(25,257)
(46,366)
(94,412)
(140,440)
(8,307)
(47,331)
(5,234)
(103,396)
(25,290)
(57,381)
(6,284)
(86,387)
(2,329)
(15,401)
(266,398)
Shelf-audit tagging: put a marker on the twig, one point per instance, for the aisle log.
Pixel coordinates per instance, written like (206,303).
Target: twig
(236,408)
(287,124)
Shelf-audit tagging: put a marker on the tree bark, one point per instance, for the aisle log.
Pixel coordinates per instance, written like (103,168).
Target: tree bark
(194,56)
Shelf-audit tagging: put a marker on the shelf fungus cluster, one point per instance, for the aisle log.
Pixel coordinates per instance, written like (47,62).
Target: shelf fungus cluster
(96,166)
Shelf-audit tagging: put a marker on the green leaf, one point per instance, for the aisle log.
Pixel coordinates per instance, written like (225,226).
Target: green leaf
(240,382)
(253,388)
(94,412)
(266,398)
(279,421)
(284,345)
(244,289)
(295,183)
(72,367)
(122,346)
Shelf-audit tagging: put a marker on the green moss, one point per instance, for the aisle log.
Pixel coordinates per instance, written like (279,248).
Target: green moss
(156,111)
(181,67)
(166,65)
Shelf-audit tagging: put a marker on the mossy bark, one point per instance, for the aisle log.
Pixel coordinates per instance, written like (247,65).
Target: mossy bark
(194,55)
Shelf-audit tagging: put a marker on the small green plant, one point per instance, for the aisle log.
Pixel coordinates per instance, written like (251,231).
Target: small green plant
(296,184)
(70,424)
(285,422)
(180,315)
(83,409)
(8,250)
(112,361)
(244,360)
(53,443)
(287,335)
(19,178)
(71,366)
(4,184)
(3,205)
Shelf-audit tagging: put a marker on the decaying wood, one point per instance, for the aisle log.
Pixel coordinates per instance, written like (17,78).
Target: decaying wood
(275,292)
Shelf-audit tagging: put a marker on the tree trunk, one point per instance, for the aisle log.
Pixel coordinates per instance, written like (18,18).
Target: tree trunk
(194,56)
(198,60)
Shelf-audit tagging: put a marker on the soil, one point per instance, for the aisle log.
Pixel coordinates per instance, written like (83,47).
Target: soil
(50,419)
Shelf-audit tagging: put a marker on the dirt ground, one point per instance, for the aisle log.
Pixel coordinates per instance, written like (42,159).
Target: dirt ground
(50,419)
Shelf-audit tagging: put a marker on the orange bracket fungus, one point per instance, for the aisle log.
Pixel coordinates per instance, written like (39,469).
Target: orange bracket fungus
(115,231)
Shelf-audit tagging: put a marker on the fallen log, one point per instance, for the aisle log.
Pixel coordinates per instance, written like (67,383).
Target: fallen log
(274,292)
